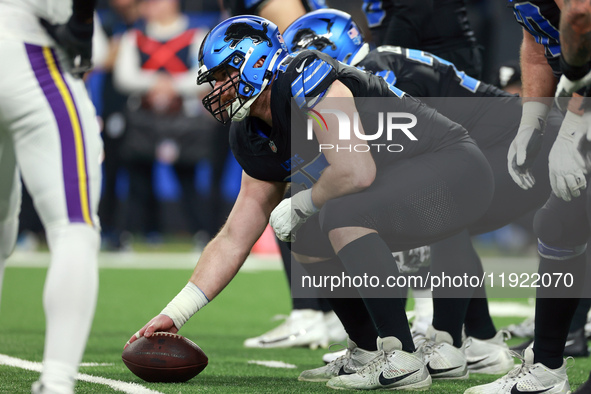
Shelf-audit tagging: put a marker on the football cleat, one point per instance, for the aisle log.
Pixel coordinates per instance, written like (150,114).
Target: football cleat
(525,329)
(353,359)
(489,356)
(40,388)
(576,344)
(391,369)
(527,378)
(442,359)
(330,357)
(520,347)
(303,327)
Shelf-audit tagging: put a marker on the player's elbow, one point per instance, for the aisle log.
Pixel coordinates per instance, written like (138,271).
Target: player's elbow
(362,177)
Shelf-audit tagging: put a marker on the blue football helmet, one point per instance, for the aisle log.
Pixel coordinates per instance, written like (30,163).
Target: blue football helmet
(239,44)
(330,31)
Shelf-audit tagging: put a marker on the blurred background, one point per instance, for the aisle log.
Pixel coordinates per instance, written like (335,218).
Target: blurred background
(169,176)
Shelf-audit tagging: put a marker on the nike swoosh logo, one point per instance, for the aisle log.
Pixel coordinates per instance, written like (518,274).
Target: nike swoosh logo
(477,361)
(569,342)
(343,372)
(515,390)
(384,381)
(300,68)
(435,371)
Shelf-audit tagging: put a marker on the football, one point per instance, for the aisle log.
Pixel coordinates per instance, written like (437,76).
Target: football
(164,357)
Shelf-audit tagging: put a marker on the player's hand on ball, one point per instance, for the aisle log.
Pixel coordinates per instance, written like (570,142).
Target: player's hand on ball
(291,213)
(158,323)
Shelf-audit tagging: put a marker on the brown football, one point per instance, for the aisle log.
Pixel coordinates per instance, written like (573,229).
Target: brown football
(164,357)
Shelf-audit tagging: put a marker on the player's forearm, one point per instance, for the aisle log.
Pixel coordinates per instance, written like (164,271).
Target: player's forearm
(219,263)
(340,180)
(536,74)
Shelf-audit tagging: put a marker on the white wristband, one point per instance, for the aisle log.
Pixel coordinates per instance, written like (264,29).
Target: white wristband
(303,201)
(187,302)
(532,111)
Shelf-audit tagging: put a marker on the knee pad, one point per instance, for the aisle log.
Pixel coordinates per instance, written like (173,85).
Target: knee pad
(560,252)
(559,226)
(76,238)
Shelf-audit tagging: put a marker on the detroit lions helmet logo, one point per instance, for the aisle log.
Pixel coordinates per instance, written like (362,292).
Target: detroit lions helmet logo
(306,38)
(237,32)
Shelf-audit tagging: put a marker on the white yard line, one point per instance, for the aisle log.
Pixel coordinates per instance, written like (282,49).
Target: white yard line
(272,364)
(129,388)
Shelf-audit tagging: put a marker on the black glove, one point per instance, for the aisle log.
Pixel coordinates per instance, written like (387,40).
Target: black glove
(76,39)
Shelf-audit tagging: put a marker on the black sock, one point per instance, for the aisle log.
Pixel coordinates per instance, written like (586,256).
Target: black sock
(351,311)
(454,256)
(369,255)
(478,322)
(554,315)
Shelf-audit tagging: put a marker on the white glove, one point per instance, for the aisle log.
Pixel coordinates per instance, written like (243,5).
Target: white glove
(291,213)
(584,146)
(527,143)
(567,175)
(566,88)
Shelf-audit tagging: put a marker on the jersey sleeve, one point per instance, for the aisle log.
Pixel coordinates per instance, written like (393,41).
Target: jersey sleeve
(309,76)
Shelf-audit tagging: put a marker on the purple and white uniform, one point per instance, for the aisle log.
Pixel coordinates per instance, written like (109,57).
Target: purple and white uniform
(48,127)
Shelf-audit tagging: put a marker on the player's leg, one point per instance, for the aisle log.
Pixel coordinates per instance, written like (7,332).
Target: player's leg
(57,145)
(10,200)
(414,202)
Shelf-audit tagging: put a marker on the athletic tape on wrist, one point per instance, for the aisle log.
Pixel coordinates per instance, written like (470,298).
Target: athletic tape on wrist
(186,303)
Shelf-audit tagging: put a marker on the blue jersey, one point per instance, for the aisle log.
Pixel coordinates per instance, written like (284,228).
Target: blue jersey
(541,18)
(285,152)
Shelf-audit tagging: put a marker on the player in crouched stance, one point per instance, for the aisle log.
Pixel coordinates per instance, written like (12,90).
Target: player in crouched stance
(356,207)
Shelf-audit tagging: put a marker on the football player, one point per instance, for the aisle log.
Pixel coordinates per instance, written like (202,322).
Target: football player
(358,205)
(311,321)
(49,136)
(438,27)
(491,116)
(560,225)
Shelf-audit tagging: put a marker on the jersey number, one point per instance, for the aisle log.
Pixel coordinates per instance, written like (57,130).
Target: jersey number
(308,175)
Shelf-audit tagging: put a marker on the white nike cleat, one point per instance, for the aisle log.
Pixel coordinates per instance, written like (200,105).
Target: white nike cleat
(527,378)
(442,359)
(489,356)
(525,329)
(303,327)
(391,369)
(330,357)
(353,359)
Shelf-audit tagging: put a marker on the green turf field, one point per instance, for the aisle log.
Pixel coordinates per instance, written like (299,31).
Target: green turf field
(129,297)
